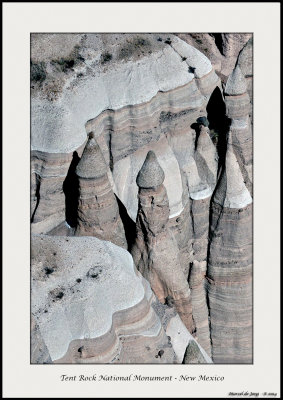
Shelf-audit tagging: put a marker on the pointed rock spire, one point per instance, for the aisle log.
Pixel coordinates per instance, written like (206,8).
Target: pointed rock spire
(193,355)
(92,163)
(204,142)
(236,83)
(232,191)
(151,174)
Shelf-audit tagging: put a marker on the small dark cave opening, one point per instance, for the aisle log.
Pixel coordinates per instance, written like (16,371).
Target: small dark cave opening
(71,191)
(129,224)
(219,123)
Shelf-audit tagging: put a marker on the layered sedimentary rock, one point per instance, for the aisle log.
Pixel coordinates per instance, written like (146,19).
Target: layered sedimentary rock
(198,163)
(189,206)
(91,306)
(155,251)
(199,303)
(229,272)
(240,132)
(206,160)
(98,211)
(222,49)
(245,62)
(193,354)
(146,91)
(48,174)
(178,335)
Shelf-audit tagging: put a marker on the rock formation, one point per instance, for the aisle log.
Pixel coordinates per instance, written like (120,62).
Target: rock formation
(48,173)
(98,212)
(79,317)
(155,251)
(229,272)
(193,354)
(222,49)
(178,335)
(145,141)
(199,303)
(245,62)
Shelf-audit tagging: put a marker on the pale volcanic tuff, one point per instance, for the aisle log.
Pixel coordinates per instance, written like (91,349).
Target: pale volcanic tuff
(136,140)
(229,272)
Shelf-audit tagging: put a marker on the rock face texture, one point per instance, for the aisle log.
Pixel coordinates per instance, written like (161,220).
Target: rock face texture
(138,77)
(145,141)
(229,272)
(197,283)
(78,315)
(222,49)
(98,211)
(193,354)
(155,251)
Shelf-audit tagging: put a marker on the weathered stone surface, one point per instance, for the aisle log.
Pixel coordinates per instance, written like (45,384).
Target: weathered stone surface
(79,314)
(181,338)
(92,164)
(155,251)
(48,175)
(165,158)
(222,49)
(245,62)
(151,174)
(126,79)
(193,354)
(158,83)
(199,304)
(240,135)
(178,335)
(236,83)
(98,211)
(229,271)
(39,351)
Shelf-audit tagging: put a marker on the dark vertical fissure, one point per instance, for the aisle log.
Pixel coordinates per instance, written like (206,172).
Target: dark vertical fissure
(218,41)
(37,195)
(71,191)
(219,124)
(129,224)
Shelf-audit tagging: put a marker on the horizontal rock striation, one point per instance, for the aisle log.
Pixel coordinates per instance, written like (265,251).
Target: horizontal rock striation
(199,303)
(222,49)
(229,271)
(240,133)
(48,174)
(81,318)
(245,62)
(155,251)
(165,172)
(126,141)
(171,83)
(98,211)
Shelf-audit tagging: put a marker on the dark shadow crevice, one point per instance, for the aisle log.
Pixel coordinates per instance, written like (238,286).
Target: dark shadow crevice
(71,191)
(129,224)
(37,195)
(219,124)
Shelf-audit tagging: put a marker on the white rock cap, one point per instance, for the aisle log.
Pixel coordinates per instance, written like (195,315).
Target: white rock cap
(236,83)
